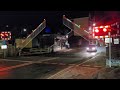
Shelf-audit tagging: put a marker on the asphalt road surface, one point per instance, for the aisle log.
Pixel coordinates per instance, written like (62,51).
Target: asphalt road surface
(43,66)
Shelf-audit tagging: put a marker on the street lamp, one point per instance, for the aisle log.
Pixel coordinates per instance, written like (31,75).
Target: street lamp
(24,29)
(6,25)
(23,32)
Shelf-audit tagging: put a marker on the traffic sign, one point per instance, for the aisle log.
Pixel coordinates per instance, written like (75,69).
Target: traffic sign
(113,62)
(116,41)
(107,40)
(3,46)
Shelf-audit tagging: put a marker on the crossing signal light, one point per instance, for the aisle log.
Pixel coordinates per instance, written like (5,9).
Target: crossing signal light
(96,30)
(101,31)
(5,35)
(104,29)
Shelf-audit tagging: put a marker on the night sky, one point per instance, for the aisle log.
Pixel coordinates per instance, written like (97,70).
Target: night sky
(53,18)
(34,18)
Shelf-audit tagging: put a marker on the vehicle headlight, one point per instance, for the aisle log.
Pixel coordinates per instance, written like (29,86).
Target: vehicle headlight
(87,48)
(93,48)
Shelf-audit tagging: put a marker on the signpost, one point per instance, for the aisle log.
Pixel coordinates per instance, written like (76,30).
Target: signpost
(4,47)
(107,40)
(116,41)
(109,34)
(112,62)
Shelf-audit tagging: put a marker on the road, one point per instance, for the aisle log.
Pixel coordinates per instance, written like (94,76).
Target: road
(44,66)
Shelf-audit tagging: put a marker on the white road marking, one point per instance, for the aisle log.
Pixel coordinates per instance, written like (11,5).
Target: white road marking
(86,65)
(28,61)
(21,65)
(67,69)
(60,72)
(43,61)
(87,60)
(16,66)
(14,60)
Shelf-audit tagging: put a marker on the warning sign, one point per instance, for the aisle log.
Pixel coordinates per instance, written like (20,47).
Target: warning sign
(116,41)
(107,40)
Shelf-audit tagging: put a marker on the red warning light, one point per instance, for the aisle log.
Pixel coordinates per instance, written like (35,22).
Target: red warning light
(104,29)
(5,35)
(96,30)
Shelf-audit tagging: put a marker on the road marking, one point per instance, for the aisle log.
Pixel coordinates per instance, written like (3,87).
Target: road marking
(62,64)
(16,66)
(21,65)
(14,60)
(86,65)
(68,68)
(91,66)
(44,61)
(87,60)
(29,61)
(98,66)
(49,59)
(60,72)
